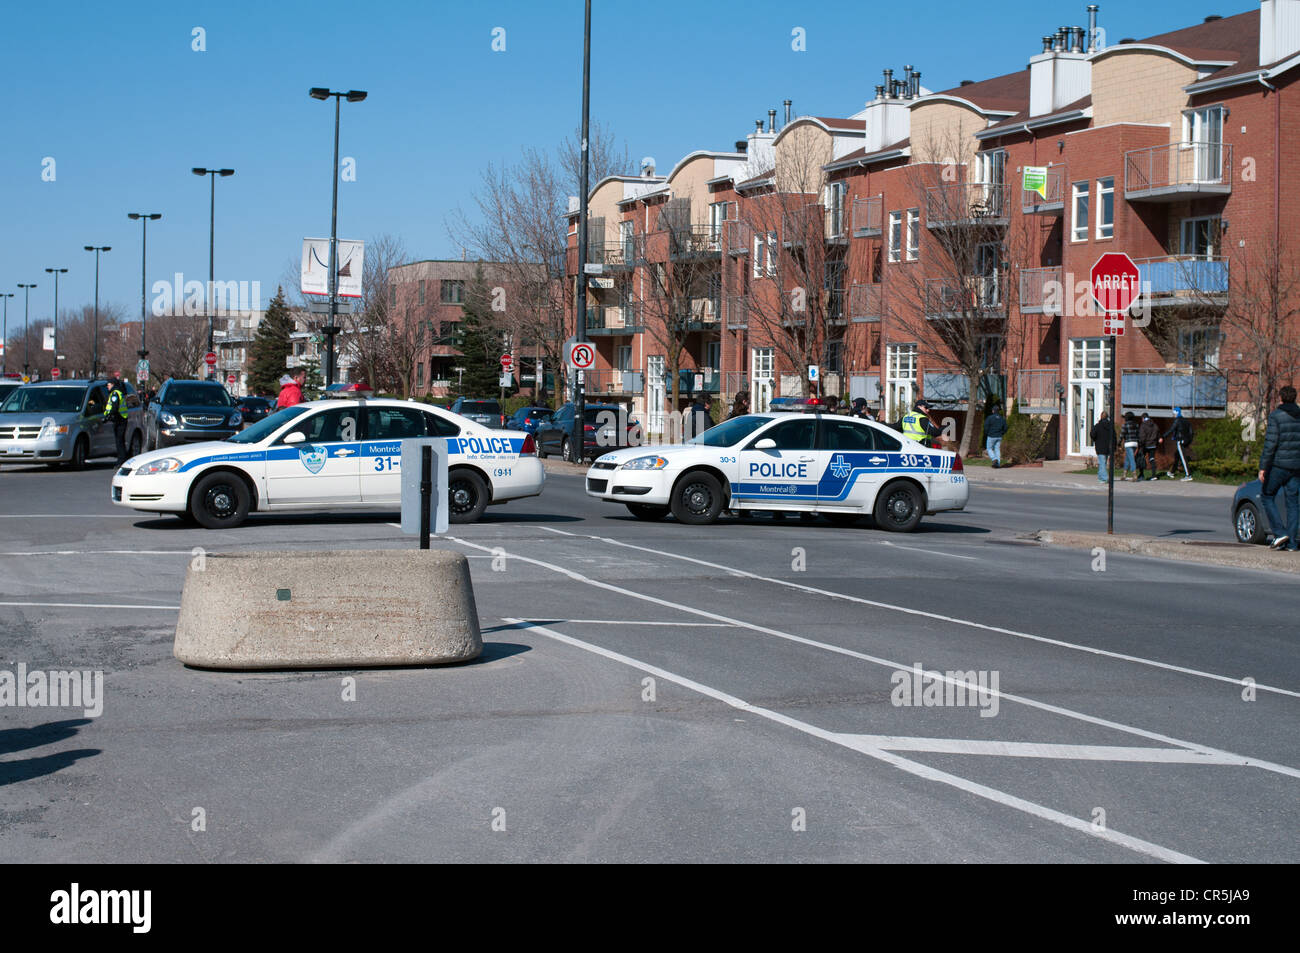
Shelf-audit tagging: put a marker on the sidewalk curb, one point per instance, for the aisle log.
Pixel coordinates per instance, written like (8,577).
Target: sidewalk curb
(1232,555)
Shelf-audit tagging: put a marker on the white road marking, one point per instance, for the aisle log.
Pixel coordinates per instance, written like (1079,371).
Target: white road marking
(84,605)
(880,754)
(1034,749)
(896,666)
(107,552)
(70,516)
(693,625)
(928,552)
(558,532)
(952,619)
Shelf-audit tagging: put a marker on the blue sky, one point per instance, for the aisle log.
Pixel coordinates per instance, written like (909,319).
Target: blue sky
(117,97)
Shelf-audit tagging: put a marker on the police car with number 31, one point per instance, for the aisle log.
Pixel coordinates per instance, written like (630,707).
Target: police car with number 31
(329,454)
(842,468)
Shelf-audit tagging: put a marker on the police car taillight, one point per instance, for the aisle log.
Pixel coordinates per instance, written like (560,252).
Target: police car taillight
(530,446)
(957,465)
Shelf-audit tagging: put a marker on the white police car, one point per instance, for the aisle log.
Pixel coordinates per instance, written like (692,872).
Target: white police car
(328,454)
(840,467)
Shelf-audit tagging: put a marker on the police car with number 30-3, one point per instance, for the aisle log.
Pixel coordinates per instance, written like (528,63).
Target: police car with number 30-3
(329,454)
(842,468)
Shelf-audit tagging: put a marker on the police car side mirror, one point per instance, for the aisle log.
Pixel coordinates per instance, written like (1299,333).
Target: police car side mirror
(767,443)
(296,437)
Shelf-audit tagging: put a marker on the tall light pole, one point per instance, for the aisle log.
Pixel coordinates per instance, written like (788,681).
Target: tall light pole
(212,236)
(94,351)
(56,272)
(145,218)
(579,388)
(4,351)
(27,300)
(331,329)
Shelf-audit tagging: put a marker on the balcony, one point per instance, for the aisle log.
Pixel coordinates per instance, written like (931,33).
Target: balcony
(614,319)
(967,206)
(1031,203)
(977,297)
(1178,171)
(1039,288)
(1183,280)
(710,380)
(737,317)
(704,315)
(868,216)
(1039,391)
(951,391)
(836,218)
(1157,390)
(622,255)
(613,382)
(866,302)
(739,236)
(695,241)
(802,226)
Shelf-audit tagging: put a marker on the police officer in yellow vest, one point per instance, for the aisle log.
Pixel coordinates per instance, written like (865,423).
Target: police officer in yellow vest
(918,426)
(116,411)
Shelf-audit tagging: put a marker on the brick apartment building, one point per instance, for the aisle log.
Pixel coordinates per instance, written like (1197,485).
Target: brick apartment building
(898,250)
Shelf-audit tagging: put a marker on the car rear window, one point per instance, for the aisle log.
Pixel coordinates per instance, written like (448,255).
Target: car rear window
(480,407)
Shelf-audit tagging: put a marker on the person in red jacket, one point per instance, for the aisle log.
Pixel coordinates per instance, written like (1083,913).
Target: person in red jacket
(291,389)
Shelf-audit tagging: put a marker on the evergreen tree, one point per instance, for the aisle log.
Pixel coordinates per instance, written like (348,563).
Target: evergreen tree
(269,355)
(479,342)
(314,384)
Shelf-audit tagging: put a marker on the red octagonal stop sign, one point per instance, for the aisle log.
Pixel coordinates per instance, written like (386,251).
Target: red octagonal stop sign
(1116,283)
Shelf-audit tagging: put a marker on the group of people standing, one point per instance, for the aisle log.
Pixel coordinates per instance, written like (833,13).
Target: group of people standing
(1140,441)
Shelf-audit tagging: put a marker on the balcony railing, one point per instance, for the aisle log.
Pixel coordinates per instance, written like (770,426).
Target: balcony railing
(739,236)
(868,216)
(1036,289)
(704,314)
(836,218)
(737,312)
(624,254)
(613,381)
(967,204)
(1157,390)
(1184,280)
(695,241)
(950,390)
(1038,391)
(866,302)
(978,296)
(801,226)
(1178,170)
(1032,203)
(614,319)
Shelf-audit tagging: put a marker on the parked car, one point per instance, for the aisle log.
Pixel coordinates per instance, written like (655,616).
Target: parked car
(605,427)
(485,412)
(1249,522)
(7,387)
(186,411)
(254,409)
(528,418)
(55,422)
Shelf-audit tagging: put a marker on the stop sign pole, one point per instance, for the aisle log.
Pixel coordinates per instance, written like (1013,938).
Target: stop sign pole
(1115,286)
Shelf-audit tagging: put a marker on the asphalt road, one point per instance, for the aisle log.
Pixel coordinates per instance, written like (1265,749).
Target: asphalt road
(656,692)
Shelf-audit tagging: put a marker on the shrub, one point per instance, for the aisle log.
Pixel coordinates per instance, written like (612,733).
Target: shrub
(1026,437)
(1220,440)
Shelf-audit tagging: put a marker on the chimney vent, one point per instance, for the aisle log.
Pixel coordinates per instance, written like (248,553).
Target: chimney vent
(742,145)
(758,125)
(1092,27)
(916,83)
(968,82)
(1047,44)
(889,81)
(788,104)
(771,120)
(880,91)
(1212,17)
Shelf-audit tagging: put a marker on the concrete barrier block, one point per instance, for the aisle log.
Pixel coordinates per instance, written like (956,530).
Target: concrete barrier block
(342,609)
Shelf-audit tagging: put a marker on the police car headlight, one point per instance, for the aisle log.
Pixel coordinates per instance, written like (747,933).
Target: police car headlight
(646,463)
(235,419)
(165,465)
(169,418)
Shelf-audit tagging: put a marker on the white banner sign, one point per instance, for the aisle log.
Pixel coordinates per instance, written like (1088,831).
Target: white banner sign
(49,339)
(316,261)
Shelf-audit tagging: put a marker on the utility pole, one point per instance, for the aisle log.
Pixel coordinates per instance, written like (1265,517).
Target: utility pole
(4,342)
(27,300)
(94,350)
(56,272)
(580,303)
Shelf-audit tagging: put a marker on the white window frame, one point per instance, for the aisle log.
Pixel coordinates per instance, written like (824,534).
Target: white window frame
(758,256)
(1105,229)
(771,254)
(1186,223)
(836,194)
(1079,224)
(913,234)
(895,236)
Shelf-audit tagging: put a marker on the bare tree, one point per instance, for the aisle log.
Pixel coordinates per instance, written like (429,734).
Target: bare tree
(605,156)
(177,343)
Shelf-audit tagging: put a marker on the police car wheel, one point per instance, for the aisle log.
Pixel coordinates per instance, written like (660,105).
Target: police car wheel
(697,499)
(899,508)
(644,511)
(467,496)
(219,501)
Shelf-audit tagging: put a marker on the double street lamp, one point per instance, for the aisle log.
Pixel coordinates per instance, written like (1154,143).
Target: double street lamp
(94,350)
(331,329)
(144,218)
(212,234)
(56,272)
(27,300)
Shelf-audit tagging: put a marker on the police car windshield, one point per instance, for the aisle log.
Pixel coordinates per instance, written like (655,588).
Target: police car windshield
(268,425)
(43,400)
(729,432)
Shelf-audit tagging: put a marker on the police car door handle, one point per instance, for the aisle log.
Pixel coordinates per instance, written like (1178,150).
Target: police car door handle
(343,452)
(807,459)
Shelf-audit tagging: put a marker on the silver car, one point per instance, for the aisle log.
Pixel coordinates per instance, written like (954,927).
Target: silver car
(56,422)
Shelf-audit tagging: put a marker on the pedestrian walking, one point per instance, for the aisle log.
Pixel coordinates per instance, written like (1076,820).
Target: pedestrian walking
(739,406)
(995,428)
(290,390)
(115,411)
(1180,431)
(1149,440)
(1279,469)
(1128,437)
(1103,443)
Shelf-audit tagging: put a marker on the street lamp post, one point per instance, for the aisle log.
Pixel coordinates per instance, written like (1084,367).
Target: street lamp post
(27,300)
(331,329)
(94,350)
(212,235)
(4,342)
(580,309)
(56,272)
(145,218)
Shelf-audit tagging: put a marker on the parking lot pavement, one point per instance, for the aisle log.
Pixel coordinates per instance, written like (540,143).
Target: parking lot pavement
(666,693)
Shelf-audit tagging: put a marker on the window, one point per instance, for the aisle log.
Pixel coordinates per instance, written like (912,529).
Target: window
(392,296)
(796,434)
(623,357)
(835,193)
(421,291)
(758,256)
(453,292)
(1199,237)
(771,254)
(394,423)
(329,426)
(835,356)
(1106,208)
(895,236)
(717,215)
(913,233)
(1080,201)
(843,435)
(1199,347)
(419,374)
(1203,131)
